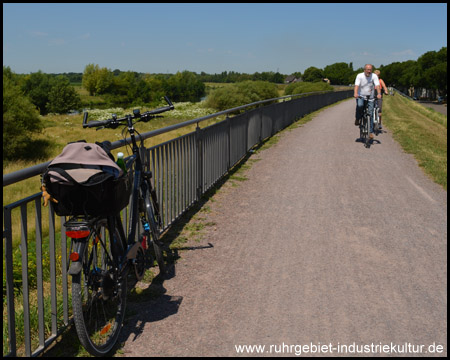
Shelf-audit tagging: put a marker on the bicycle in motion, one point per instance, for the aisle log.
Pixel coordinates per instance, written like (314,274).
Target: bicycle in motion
(364,125)
(102,255)
(376,118)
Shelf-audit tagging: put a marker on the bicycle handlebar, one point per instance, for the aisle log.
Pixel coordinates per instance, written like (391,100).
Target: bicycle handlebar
(114,122)
(366,97)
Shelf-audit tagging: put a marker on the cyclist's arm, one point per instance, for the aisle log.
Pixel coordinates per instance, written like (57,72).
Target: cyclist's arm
(378,88)
(376,82)
(355,94)
(383,86)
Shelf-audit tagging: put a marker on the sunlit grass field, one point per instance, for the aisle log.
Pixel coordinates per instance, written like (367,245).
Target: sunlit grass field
(420,131)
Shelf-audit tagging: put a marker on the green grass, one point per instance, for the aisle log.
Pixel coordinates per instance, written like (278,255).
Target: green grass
(421,132)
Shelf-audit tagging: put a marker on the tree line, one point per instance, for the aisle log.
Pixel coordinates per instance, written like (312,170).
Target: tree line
(25,96)
(429,72)
(130,88)
(55,92)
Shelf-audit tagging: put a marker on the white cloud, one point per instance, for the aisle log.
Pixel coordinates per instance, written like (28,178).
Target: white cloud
(56,42)
(38,34)
(408,52)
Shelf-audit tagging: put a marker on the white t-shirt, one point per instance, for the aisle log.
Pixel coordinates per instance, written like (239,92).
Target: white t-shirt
(367,84)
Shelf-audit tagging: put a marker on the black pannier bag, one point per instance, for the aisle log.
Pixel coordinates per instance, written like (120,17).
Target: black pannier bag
(85,180)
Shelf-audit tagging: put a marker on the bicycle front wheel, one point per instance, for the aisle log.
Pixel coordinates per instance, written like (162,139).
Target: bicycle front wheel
(367,128)
(149,205)
(99,293)
(363,128)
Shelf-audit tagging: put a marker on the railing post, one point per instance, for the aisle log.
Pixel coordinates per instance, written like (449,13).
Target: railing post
(199,141)
(7,235)
(228,127)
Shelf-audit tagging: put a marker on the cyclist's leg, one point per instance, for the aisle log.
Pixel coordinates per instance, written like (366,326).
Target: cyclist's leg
(380,106)
(371,105)
(359,110)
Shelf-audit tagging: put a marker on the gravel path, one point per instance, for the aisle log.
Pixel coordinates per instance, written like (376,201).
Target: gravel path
(327,243)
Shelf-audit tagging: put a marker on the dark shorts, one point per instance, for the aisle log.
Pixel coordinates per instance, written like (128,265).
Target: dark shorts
(380,104)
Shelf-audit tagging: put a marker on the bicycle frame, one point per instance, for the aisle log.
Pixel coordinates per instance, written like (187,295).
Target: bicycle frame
(76,228)
(132,244)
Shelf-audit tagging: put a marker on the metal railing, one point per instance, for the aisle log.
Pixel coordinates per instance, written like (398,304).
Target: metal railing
(183,170)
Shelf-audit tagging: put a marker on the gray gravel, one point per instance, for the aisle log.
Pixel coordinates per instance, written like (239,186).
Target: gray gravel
(328,242)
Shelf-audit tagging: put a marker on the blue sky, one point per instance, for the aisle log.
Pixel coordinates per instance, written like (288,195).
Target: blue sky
(247,38)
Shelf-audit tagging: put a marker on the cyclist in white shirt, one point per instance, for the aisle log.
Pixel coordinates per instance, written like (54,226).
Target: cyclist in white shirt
(365,85)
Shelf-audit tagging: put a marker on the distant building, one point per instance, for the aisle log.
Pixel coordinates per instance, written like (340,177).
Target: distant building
(291,79)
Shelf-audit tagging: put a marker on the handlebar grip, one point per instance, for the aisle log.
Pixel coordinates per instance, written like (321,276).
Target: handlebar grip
(85,116)
(159,111)
(97,123)
(169,102)
(94,123)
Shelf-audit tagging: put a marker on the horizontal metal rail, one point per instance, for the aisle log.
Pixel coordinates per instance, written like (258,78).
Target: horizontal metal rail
(183,169)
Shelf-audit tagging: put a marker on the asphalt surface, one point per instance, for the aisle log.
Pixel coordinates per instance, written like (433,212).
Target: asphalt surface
(438,107)
(328,244)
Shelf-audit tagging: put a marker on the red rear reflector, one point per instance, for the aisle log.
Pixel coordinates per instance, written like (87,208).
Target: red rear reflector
(105,329)
(74,256)
(77,234)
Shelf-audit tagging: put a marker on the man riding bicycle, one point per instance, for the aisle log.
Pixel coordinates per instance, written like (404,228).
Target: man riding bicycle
(365,85)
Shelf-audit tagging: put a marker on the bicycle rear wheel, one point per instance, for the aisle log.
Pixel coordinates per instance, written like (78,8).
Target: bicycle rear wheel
(376,121)
(99,292)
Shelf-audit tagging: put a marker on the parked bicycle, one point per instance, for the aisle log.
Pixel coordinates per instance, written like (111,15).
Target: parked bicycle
(102,255)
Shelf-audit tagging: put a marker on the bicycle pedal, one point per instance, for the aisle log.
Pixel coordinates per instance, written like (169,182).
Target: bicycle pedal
(160,244)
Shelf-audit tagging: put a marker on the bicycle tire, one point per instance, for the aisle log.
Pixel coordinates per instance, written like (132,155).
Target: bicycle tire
(99,294)
(154,230)
(361,129)
(364,126)
(367,129)
(376,122)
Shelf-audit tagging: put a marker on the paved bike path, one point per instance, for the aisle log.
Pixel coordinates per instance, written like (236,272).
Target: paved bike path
(326,243)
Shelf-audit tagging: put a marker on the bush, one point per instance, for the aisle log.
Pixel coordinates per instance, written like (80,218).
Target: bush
(20,120)
(306,87)
(242,93)
(184,86)
(62,96)
(37,86)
